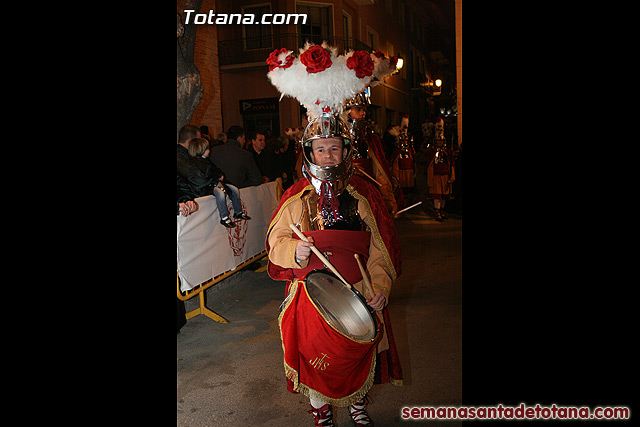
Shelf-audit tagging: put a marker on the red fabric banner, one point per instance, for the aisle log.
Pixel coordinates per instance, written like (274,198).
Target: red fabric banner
(338,246)
(319,361)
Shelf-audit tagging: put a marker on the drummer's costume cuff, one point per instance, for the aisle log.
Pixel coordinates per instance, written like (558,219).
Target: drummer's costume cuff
(383,290)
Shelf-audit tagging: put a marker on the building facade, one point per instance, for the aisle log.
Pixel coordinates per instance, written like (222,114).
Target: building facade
(231,57)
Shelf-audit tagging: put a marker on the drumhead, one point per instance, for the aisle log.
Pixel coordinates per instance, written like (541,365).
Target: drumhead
(343,308)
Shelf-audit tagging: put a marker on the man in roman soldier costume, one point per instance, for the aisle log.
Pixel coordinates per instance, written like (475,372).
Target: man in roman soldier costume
(403,158)
(440,170)
(368,154)
(341,214)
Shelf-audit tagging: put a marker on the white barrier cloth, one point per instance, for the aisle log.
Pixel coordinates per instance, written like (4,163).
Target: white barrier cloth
(206,248)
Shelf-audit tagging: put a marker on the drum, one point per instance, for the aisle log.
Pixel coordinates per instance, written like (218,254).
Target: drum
(344,309)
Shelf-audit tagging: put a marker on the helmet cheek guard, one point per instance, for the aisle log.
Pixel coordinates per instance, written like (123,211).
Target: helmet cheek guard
(327,180)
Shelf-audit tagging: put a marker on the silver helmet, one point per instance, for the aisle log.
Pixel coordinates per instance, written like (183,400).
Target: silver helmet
(337,176)
(361,99)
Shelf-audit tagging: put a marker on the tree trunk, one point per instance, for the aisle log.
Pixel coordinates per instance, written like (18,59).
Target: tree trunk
(190,90)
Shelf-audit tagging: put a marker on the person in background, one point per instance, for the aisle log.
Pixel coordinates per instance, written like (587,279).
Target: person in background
(441,171)
(369,156)
(221,138)
(204,133)
(186,133)
(285,158)
(239,166)
(183,160)
(265,159)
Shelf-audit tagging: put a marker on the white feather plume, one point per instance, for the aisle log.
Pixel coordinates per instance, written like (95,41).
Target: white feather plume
(382,68)
(327,89)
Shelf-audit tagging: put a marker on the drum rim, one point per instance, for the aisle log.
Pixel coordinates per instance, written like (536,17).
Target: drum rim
(360,297)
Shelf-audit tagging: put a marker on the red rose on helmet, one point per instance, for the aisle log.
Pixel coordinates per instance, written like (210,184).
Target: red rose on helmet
(316,59)
(361,63)
(282,62)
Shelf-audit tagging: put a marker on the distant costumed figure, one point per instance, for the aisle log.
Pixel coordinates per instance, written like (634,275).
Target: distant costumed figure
(295,134)
(333,241)
(440,170)
(403,158)
(368,156)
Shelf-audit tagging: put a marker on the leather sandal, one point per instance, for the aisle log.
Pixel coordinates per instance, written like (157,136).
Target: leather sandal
(358,413)
(323,415)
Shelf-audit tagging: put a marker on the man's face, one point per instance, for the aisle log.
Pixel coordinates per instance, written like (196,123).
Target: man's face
(259,142)
(357,112)
(327,151)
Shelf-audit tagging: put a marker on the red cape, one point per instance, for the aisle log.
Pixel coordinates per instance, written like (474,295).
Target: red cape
(375,145)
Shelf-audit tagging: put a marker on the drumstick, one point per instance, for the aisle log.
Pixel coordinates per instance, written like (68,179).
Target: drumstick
(319,254)
(406,209)
(369,176)
(365,277)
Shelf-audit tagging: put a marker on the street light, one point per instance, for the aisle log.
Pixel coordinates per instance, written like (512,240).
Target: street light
(433,86)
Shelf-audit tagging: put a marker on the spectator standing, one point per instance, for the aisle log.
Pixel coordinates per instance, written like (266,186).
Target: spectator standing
(239,166)
(186,133)
(265,159)
(183,160)
(204,133)
(221,138)
(286,159)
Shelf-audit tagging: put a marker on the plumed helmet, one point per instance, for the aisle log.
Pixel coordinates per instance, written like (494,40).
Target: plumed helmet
(361,99)
(321,80)
(327,125)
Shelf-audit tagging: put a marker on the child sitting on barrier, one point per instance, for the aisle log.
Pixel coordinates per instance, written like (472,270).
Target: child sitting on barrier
(206,178)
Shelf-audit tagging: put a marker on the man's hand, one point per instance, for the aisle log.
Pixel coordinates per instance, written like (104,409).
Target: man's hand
(303,249)
(187,208)
(377,302)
